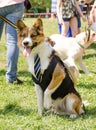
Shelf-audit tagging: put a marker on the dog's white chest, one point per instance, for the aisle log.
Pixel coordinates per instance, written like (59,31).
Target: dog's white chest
(44,51)
(43,61)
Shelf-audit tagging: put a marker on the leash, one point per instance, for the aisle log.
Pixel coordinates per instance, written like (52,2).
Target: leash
(8,21)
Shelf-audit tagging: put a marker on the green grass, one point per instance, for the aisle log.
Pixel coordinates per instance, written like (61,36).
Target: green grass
(18,103)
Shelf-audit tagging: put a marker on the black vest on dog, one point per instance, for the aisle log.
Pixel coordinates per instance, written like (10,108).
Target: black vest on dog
(67,86)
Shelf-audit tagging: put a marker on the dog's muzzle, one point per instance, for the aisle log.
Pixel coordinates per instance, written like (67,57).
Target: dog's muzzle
(28,48)
(25,43)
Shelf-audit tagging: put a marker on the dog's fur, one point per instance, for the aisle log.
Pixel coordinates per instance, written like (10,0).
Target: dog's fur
(56,91)
(72,49)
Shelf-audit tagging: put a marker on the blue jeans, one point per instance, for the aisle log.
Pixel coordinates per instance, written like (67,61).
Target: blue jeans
(13,13)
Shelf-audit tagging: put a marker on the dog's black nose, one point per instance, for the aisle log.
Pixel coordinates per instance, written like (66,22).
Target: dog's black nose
(25,43)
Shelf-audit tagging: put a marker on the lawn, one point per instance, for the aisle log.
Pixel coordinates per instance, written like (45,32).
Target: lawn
(18,103)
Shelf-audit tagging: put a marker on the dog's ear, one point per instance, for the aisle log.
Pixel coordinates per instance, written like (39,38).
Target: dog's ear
(93,37)
(50,41)
(20,25)
(39,24)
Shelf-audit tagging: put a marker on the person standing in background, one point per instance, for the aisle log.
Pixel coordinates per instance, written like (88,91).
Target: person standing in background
(79,14)
(69,18)
(54,12)
(92,17)
(12,10)
(79,2)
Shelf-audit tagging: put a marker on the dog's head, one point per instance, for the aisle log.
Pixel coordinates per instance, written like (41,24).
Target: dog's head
(86,38)
(29,38)
(90,37)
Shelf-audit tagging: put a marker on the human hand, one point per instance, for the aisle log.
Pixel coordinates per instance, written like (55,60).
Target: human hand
(61,21)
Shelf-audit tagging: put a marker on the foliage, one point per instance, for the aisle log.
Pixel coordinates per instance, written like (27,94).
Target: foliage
(18,103)
(41,5)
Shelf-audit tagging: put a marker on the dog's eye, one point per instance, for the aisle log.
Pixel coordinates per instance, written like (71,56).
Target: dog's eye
(32,35)
(22,35)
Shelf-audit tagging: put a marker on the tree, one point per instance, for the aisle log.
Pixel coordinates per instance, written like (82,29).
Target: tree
(41,4)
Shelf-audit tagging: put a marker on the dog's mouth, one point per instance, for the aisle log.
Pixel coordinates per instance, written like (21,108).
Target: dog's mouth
(27,50)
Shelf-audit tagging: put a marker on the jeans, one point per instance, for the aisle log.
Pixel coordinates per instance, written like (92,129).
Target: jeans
(13,13)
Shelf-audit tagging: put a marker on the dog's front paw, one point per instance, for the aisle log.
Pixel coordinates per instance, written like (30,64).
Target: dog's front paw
(40,112)
(47,103)
(47,99)
(73,116)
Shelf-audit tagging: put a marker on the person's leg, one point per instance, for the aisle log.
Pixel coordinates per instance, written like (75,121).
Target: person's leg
(69,33)
(59,26)
(12,52)
(65,27)
(12,48)
(74,26)
(79,24)
(1,27)
(95,15)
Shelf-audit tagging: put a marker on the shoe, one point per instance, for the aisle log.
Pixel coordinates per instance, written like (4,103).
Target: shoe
(17,81)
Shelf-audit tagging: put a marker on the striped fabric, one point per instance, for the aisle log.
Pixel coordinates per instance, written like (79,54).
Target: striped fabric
(37,67)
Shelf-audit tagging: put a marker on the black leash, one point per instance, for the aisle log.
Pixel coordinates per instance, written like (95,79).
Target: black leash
(8,21)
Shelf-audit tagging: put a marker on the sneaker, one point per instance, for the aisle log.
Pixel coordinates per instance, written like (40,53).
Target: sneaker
(17,81)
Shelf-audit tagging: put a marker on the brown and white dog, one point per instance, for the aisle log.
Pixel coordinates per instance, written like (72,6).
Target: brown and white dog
(56,90)
(72,49)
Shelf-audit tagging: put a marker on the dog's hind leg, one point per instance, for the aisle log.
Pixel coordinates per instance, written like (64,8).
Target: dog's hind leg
(73,105)
(40,98)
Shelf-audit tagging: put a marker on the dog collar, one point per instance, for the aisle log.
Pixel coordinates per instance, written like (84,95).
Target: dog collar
(80,45)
